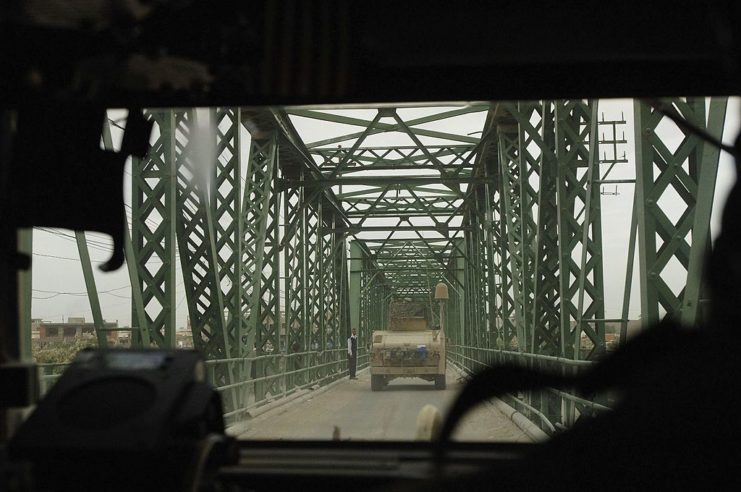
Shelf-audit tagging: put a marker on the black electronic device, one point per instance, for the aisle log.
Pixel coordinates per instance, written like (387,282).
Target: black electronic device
(117,419)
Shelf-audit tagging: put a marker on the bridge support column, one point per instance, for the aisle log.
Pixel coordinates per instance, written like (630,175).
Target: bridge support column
(153,234)
(667,173)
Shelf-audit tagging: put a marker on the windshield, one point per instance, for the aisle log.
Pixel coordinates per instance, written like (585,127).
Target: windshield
(345,270)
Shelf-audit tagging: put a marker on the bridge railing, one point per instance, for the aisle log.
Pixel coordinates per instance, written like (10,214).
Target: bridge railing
(48,375)
(276,376)
(551,409)
(280,375)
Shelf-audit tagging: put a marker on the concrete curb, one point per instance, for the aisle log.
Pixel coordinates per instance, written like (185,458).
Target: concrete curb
(526,425)
(275,406)
(523,423)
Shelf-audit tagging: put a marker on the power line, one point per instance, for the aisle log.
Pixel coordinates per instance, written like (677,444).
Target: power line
(92,244)
(83,292)
(76,294)
(66,258)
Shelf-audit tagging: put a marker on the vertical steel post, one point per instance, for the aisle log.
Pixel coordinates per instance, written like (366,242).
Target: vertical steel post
(92,292)
(153,231)
(25,296)
(666,174)
(256,213)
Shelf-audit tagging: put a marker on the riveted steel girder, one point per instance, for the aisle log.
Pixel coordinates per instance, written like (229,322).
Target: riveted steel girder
(259,249)
(225,199)
(667,174)
(153,233)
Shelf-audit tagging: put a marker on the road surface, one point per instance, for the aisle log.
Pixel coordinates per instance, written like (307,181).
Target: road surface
(390,414)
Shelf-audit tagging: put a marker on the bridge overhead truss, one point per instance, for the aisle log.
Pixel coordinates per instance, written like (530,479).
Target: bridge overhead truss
(281,255)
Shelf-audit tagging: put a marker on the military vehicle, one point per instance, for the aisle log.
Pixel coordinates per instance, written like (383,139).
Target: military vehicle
(409,348)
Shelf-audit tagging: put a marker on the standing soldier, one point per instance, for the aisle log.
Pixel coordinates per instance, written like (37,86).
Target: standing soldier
(352,353)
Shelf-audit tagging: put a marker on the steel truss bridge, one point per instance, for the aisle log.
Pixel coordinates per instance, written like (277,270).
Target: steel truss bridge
(276,271)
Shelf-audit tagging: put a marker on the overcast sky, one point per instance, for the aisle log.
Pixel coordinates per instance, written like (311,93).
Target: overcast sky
(59,288)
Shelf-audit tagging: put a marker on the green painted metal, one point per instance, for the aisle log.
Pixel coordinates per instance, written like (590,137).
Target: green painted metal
(294,251)
(629,271)
(665,175)
(225,199)
(591,256)
(511,220)
(258,219)
(579,220)
(519,198)
(227,222)
(140,332)
(268,334)
(356,282)
(546,317)
(153,232)
(140,336)
(25,296)
(707,174)
(342,161)
(198,254)
(92,291)
(385,127)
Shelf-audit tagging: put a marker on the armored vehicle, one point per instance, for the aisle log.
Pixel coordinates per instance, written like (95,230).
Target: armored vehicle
(409,348)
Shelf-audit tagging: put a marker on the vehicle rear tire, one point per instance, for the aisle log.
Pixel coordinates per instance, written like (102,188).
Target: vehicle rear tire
(440,381)
(376,383)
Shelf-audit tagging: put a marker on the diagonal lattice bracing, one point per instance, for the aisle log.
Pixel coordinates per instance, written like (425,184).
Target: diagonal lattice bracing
(197,247)
(258,217)
(455,159)
(666,177)
(153,227)
(226,188)
(580,225)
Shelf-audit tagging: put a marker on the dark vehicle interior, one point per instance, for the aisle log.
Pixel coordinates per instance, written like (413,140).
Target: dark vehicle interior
(65,63)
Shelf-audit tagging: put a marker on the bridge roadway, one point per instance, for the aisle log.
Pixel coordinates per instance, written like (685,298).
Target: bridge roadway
(390,414)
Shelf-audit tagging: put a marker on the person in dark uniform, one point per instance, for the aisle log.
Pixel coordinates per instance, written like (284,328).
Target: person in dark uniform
(352,353)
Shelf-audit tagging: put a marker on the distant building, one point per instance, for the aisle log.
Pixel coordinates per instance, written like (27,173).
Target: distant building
(73,328)
(184,339)
(35,323)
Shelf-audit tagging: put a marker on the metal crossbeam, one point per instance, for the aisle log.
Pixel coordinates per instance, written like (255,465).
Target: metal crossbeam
(509,219)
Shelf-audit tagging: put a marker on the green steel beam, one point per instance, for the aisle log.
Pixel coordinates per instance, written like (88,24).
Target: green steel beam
(442,228)
(140,336)
(455,158)
(313,275)
(706,179)
(423,190)
(385,180)
(140,331)
(25,295)
(579,225)
(268,335)
(664,175)
(517,164)
(256,217)
(153,232)
(225,195)
(197,248)
(590,267)
(294,251)
(92,291)
(546,316)
(295,281)
(386,127)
